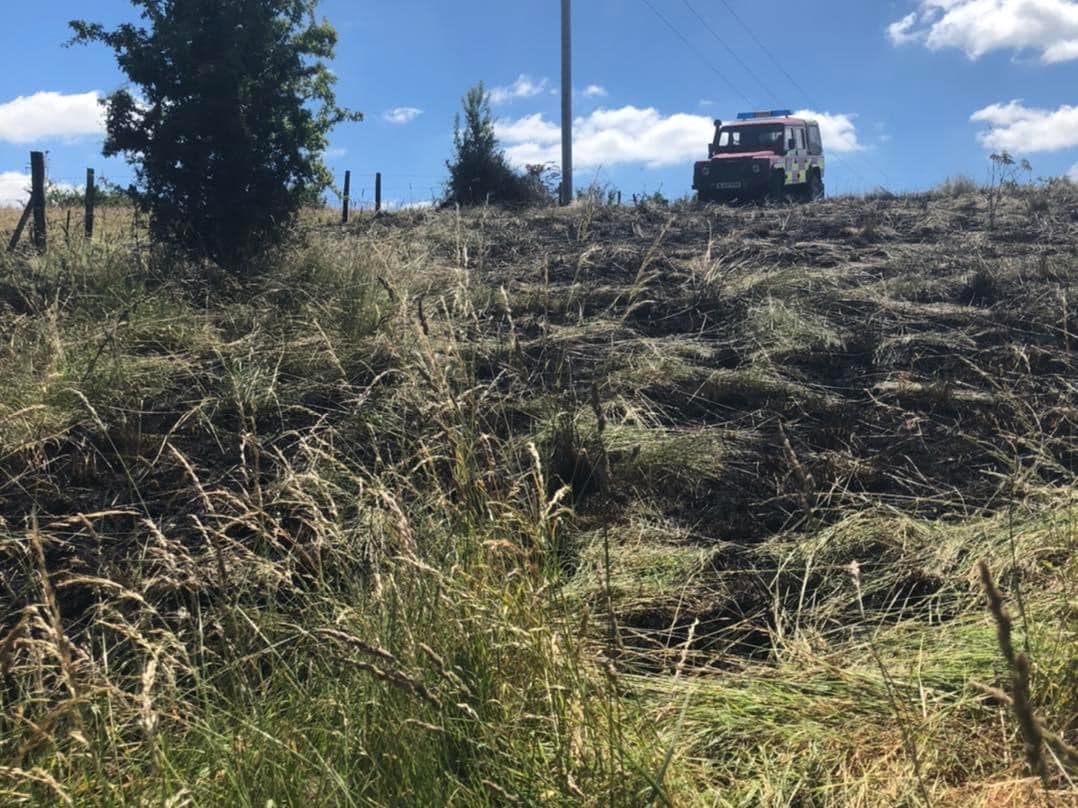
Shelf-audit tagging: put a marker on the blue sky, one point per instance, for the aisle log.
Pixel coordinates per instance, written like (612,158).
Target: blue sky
(909,91)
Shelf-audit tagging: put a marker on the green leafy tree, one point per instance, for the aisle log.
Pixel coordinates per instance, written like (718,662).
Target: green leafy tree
(479,171)
(227,119)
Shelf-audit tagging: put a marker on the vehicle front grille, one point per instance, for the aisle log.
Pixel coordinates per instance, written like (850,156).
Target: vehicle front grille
(729,170)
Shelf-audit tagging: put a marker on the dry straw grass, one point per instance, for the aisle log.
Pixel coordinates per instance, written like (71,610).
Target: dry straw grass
(545,508)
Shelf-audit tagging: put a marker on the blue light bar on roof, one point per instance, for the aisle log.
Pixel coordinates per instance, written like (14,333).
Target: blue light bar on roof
(771,113)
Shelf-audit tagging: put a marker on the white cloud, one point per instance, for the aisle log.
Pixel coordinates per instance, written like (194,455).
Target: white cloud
(336,153)
(524,87)
(532,128)
(49,115)
(837,130)
(979,26)
(900,32)
(14,188)
(609,137)
(594,91)
(402,115)
(1004,114)
(1024,130)
(630,134)
(1073,173)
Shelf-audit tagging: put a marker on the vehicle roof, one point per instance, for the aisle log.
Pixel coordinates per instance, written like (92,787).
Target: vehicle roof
(768,122)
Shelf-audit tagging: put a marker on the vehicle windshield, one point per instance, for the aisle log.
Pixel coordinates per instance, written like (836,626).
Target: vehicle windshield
(750,138)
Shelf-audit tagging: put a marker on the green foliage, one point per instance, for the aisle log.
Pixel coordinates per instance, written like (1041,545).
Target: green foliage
(231,112)
(479,172)
(598,194)
(655,199)
(541,183)
(106,195)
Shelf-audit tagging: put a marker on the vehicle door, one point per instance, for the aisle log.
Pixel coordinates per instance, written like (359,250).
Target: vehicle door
(797,161)
(815,148)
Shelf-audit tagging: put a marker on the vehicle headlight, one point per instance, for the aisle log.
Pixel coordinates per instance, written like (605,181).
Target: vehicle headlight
(755,168)
(705,170)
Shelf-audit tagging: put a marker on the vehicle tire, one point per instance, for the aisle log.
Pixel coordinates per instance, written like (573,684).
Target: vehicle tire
(705,198)
(814,190)
(776,187)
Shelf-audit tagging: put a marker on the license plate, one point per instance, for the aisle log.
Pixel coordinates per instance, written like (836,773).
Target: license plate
(724,185)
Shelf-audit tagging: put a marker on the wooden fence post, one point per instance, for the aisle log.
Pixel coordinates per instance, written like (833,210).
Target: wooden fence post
(19,228)
(91,192)
(37,199)
(347,196)
(378,192)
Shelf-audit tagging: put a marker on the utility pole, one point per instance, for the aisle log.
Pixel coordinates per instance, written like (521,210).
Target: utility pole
(566,102)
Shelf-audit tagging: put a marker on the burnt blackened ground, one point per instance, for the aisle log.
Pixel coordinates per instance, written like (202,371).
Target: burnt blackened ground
(724,376)
(764,372)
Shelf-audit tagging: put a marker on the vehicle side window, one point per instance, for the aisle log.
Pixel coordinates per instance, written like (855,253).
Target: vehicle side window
(800,138)
(768,139)
(815,144)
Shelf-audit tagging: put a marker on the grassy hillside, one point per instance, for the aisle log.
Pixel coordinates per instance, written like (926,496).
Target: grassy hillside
(571,507)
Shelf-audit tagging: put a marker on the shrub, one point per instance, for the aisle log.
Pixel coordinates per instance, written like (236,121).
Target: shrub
(541,183)
(1003,180)
(233,107)
(1039,201)
(958,185)
(479,171)
(656,199)
(106,195)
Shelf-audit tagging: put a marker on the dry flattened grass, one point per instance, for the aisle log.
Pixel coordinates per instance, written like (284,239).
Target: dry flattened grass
(340,486)
(1017,793)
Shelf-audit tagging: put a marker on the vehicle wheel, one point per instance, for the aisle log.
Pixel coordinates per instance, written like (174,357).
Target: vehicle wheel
(776,187)
(815,190)
(705,198)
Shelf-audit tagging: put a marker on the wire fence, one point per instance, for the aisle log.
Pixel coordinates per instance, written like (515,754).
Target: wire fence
(399,191)
(15,188)
(404,190)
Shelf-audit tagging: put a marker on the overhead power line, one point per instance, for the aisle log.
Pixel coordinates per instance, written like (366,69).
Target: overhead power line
(868,164)
(846,159)
(733,87)
(729,50)
(766,50)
